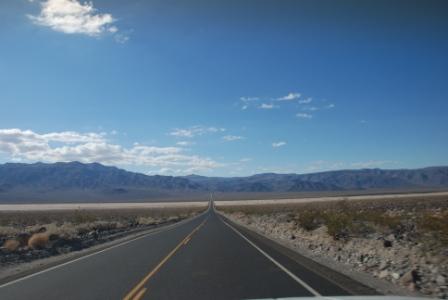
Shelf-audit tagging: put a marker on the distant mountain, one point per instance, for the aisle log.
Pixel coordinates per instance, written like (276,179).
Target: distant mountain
(75,175)
(377,178)
(72,181)
(76,181)
(269,182)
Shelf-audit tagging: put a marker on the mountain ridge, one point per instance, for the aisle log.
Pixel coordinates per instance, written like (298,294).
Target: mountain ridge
(72,180)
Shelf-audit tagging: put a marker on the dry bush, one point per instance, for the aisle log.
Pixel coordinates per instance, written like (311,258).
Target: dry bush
(146,220)
(435,225)
(11,245)
(339,225)
(310,219)
(8,231)
(80,217)
(38,240)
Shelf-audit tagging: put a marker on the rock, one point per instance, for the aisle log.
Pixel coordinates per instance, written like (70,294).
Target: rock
(395,275)
(441,280)
(409,277)
(383,274)
(387,244)
(383,265)
(390,237)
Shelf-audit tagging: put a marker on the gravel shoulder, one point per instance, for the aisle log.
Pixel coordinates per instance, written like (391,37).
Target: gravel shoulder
(396,246)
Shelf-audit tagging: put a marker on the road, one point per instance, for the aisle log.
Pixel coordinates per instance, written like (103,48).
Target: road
(203,258)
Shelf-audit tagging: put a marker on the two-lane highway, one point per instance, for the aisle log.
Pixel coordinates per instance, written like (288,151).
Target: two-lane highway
(204,258)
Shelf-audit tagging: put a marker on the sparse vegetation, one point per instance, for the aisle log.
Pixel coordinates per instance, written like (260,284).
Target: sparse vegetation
(38,240)
(11,245)
(404,241)
(28,235)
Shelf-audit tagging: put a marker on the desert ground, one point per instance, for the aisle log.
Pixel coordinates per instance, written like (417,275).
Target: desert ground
(400,240)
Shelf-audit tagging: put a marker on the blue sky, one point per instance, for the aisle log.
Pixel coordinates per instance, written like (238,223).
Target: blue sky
(225,87)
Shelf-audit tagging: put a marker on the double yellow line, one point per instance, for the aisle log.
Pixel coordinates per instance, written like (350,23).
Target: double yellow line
(138,291)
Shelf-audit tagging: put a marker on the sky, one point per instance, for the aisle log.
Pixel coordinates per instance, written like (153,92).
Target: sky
(225,88)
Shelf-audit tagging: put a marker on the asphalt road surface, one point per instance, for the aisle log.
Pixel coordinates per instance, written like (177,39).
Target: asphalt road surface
(207,257)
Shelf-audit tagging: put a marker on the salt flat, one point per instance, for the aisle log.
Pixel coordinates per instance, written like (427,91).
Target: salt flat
(324,199)
(88,206)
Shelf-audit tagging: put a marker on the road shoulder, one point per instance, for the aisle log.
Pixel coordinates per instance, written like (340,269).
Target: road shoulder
(356,283)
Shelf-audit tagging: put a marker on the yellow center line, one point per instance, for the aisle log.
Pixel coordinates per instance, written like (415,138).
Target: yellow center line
(145,279)
(140,294)
(187,240)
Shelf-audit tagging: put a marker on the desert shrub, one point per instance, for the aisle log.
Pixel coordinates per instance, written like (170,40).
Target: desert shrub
(103,226)
(146,221)
(11,245)
(80,217)
(8,231)
(309,219)
(388,223)
(65,230)
(38,240)
(339,225)
(436,225)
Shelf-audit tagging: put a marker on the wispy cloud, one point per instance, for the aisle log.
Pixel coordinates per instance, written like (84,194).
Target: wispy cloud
(306,101)
(289,97)
(304,116)
(372,164)
(194,131)
(30,146)
(267,106)
(185,143)
(278,144)
(231,138)
(246,102)
(245,159)
(249,99)
(74,17)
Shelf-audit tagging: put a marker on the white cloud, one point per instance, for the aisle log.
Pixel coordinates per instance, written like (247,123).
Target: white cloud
(121,38)
(289,97)
(304,116)
(74,17)
(249,99)
(230,138)
(306,101)
(195,131)
(29,146)
(245,159)
(267,106)
(185,143)
(278,144)
(330,106)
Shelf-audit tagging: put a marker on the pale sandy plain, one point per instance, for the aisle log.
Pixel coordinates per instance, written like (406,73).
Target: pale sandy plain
(89,206)
(325,199)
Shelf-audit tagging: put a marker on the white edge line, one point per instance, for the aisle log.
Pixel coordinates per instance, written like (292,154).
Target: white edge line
(284,269)
(169,227)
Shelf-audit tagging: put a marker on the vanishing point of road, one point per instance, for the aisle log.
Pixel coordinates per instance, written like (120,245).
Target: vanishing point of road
(206,257)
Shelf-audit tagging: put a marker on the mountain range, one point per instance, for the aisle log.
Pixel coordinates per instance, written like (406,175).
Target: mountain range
(78,182)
